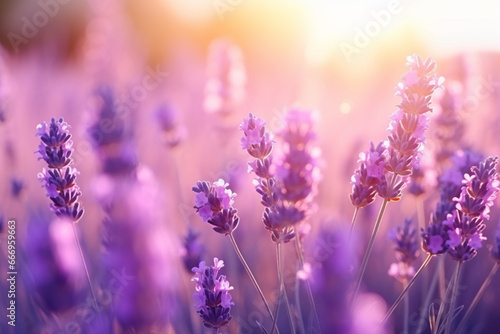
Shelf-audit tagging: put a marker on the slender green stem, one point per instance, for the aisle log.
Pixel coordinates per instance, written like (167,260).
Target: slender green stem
(280,293)
(428,296)
(454,297)
(77,240)
(281,270)
(251,276)
(444,300)
(300,256)
(478,296)
(353,222)
(368,250)
(405,290)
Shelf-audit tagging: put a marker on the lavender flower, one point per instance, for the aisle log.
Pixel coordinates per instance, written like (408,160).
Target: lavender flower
(59,179)
(214,203)
(192,251)
(406,247)
(56,275)
(212,298)
(225,87)
(368,176)
(167,118)
(287,184)
(495,248)
(466,223)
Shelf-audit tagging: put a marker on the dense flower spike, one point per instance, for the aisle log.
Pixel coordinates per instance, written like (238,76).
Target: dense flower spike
(287,184)
(495,248)
(369,174)
(192,251)
(167,118)
(60,178)
(212,298)
(466,223)
(214,203)
(406,248)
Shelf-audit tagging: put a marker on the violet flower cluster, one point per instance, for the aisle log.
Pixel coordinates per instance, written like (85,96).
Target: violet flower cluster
(214,203)
(458,230)
(407,251)
(212,298)
(59,179)
(404,145)
(288,183)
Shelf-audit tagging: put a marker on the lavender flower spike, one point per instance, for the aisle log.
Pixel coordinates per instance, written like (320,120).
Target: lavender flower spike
(406,247)
(212,298)
(466,223)
(214,203)
(59,179)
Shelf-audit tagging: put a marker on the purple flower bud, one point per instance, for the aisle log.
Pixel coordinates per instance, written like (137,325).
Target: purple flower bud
(212,298)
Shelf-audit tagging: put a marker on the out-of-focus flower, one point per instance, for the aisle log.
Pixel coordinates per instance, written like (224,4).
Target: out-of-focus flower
(495,248)
(139,249)
(53,260)
(111,135)
(192,251)
(225,87)
(59,179)
(214,203)
(466,223)
(406,248)
(212,298)
(167,118)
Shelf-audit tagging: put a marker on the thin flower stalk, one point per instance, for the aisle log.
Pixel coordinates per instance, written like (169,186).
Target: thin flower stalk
(404,144)
(59,180)
(214,203)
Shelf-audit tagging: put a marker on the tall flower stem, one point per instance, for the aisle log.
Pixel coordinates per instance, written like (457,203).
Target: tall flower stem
(441,311)
(454,297)
(281,270)
(300,256)
(406,313)
(428,296)
(405,290)
(251,276)
(369,250)
(478,296)
(94,299)
(353,222)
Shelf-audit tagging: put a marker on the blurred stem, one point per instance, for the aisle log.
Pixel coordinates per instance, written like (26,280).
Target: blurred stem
(444,300)
(369,250)
(428,297)
(300,256)
(75,232)
(478,296)
(353,222)
(406,313)
(405,290)
(252,277)
(453,298)
(281,271)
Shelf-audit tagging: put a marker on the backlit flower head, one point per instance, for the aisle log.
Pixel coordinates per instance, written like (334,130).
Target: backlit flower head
(214,204)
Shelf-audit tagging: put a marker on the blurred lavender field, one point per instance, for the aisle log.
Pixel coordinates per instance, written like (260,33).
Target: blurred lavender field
(275,96)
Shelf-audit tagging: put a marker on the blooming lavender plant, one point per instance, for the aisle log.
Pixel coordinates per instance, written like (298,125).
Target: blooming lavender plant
(59,179)
(214,203)
(212,298)
(407,250)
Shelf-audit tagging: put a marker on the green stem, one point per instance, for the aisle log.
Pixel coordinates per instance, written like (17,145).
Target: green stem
(281,270)
(300,256)
(444,300)
(251,276)
(369,250)
(405,290)
(353,222)
(478,296)
(428,297)
(77,240)
(453,298)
